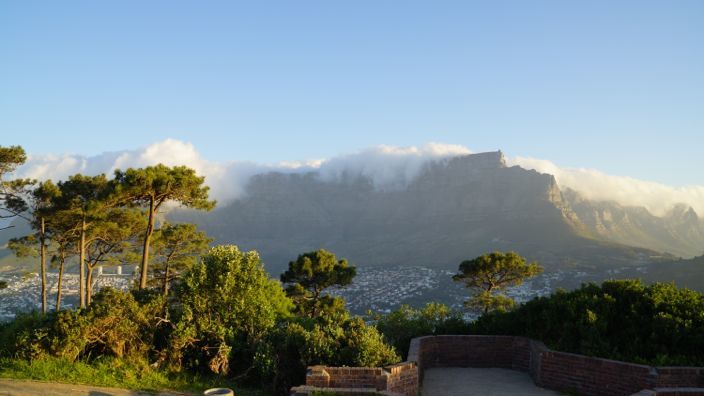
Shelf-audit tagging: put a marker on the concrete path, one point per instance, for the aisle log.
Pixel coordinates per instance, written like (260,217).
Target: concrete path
(456,381)
(35,388)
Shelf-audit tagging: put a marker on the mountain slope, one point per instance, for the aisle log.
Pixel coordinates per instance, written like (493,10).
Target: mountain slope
(453,210)
(679,231)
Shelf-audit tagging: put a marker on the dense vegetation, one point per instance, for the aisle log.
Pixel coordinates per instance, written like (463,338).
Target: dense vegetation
(625,320)
(226,317)
(401,326)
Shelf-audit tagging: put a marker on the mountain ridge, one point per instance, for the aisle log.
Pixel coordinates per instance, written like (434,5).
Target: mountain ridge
(454,209)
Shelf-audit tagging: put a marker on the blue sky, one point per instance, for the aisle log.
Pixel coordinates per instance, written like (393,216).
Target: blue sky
(617,86)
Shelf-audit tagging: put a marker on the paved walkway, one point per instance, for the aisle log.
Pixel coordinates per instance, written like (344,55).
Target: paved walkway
(456,381)
(35,388)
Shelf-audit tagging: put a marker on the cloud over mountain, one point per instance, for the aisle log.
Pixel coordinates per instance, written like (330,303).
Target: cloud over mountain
(389,167)
(598,186)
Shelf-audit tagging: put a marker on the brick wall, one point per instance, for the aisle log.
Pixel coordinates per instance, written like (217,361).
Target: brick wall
(471,351)
(584,375)
(355,377)
(669,377)
(397,380)
(561,371)
(403,379)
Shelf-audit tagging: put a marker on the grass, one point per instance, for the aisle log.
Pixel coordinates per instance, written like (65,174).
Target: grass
(111,372)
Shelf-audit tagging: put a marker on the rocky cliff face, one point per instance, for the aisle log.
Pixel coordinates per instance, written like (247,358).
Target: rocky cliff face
(453,210)
(679,232)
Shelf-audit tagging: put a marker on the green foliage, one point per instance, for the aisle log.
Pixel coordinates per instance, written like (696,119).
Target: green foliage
(296,344)
(109,239)
(486,301)
(26,246)
(489,274)
(115,324)
(132,373)
(226,317)
(159,184)
(153,186)
(10,158)
(364,346)
(625,320)
(176,248)
(312,273)
(83,194)
(406,323)
(226,308)
(16,336)
(12,202)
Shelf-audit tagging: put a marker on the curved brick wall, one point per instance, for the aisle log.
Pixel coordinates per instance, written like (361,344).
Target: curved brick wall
(561,371)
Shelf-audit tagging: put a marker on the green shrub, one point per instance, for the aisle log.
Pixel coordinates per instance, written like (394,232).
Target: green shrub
(227,305)
(21,338)
(301,342)
(115,324)
(625,320)
(406,323)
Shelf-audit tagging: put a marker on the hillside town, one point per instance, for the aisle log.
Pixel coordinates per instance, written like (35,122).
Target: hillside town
(375,289)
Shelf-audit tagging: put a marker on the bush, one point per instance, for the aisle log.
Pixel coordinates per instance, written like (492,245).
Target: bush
(406,323)
(227,305)
(20,338)
(625,320)
(115,324)
(301,342)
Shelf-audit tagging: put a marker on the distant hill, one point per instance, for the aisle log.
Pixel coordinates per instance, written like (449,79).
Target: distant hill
(453,210)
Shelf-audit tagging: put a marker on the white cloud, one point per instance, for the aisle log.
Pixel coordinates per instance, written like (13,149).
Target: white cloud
(596,185)
(225,179)
(388,167)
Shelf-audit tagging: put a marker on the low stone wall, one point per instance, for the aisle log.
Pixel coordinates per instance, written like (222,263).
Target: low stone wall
(560,371)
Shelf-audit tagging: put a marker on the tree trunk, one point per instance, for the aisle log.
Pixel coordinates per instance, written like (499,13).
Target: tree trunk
(166,279)
(61,275)
(145,248)
(82,266)
(89,285)
(42,241)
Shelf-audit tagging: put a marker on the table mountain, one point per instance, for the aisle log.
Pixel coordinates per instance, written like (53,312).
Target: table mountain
(452,210)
